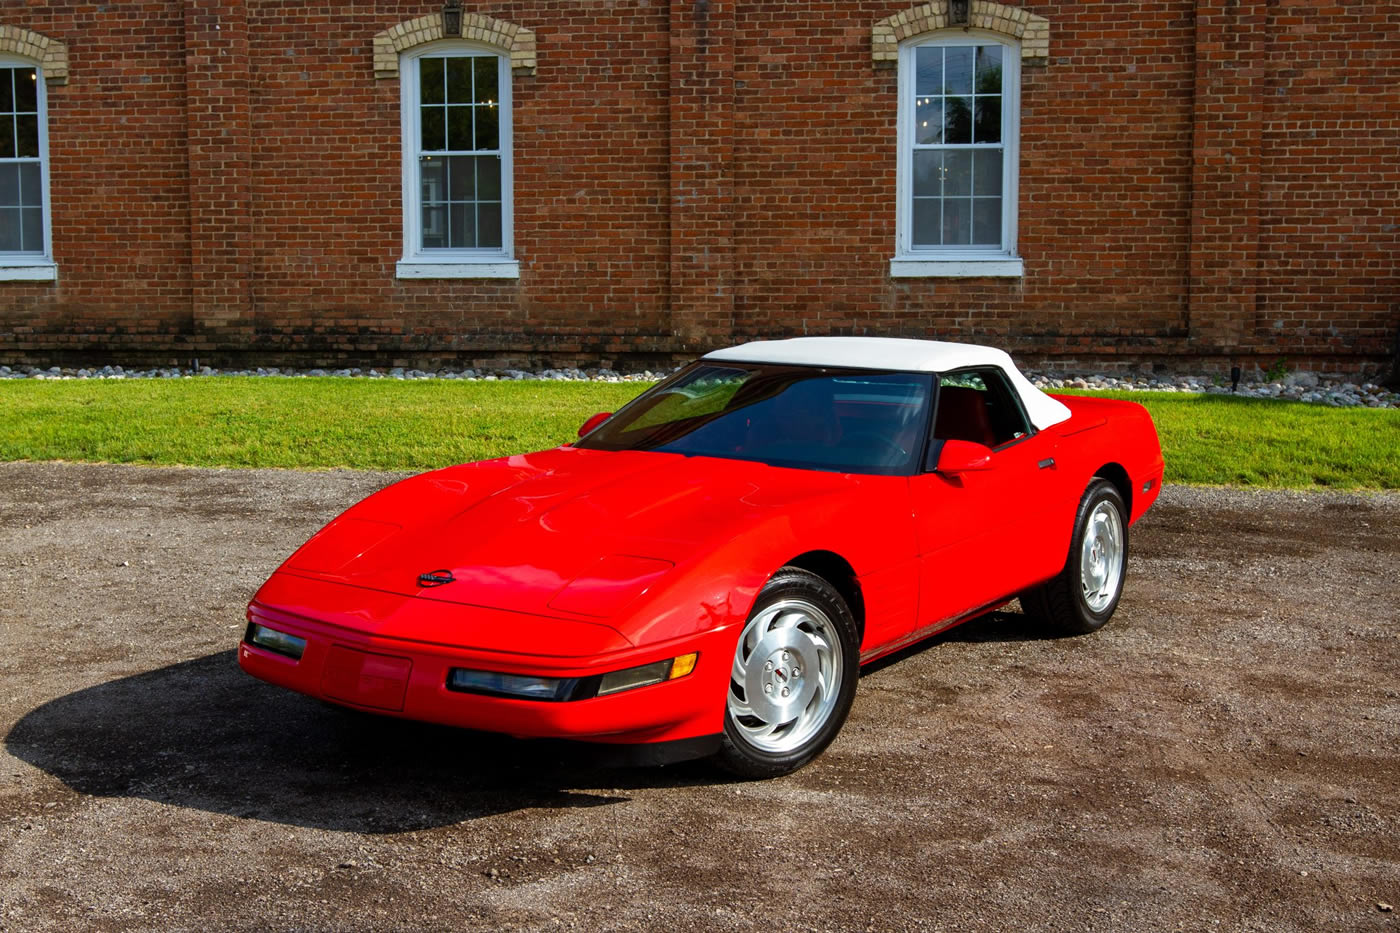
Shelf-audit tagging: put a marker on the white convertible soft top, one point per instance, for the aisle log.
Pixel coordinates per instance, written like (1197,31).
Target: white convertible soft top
(900,355)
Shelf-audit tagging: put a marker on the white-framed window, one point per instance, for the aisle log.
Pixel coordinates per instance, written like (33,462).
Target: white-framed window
(26,252)
(958,129)
(457,188)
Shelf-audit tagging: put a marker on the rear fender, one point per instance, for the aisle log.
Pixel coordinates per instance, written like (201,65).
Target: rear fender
(1114,439)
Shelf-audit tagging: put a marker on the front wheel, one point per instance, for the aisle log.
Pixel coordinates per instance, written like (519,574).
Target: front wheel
(1084,594)
(793,677)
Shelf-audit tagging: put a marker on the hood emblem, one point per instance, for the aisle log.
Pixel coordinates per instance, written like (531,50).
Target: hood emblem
(435,578)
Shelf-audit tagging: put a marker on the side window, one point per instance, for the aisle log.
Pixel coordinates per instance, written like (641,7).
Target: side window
(457,162)
(977,405)
(957,166)
(23,191)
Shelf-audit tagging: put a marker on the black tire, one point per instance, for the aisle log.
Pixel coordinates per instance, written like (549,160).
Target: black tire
(1060,605)
(741,751)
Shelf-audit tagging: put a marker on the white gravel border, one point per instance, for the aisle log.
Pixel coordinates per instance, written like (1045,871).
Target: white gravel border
(1296,387)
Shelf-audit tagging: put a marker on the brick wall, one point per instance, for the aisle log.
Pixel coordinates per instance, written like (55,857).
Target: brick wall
(1329,248)
(1202,182)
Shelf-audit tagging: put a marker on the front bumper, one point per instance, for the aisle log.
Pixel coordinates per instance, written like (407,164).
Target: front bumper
(350,665)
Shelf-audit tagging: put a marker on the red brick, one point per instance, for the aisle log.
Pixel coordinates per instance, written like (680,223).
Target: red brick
(1202,182)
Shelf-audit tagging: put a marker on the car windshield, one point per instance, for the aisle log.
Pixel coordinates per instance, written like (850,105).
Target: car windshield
(848,421)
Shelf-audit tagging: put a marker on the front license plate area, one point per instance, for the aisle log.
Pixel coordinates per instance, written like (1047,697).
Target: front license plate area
(365,679)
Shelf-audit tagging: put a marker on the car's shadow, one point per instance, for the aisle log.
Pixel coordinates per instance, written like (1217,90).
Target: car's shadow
(202,734)
(1000,626)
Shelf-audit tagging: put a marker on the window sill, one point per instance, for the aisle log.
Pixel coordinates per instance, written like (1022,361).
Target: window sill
(12,271)
(459,269)
(1001,267)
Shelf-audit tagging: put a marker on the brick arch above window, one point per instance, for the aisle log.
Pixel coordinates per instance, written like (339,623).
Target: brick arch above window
(51,54)
(517,41)
(1032,31)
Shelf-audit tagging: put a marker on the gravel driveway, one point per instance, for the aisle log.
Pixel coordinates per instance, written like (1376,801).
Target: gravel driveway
(1224,756)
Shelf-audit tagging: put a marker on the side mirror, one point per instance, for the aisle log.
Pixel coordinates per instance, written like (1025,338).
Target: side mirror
(593,422)
(963,457)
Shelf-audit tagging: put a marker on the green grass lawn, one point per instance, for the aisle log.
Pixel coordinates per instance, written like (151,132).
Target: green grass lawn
(1224,440)
(418,425)
(284,422)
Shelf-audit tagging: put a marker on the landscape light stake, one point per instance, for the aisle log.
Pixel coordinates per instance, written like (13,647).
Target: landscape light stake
(1234,378)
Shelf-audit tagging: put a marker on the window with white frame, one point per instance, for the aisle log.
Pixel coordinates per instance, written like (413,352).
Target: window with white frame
(959,107)
(457,163)
(24,221)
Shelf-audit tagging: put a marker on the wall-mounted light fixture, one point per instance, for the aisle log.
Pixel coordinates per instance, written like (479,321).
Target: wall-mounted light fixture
(957,12)
(452,18)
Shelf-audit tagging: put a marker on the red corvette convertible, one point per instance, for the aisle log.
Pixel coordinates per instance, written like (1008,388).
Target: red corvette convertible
(704,572)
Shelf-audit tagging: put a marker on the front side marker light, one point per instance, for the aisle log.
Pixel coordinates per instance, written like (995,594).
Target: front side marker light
(647,674)
(277,642)
(560,689)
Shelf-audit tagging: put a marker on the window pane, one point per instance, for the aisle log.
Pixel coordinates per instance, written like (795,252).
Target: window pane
(956,194)
(26,90)
(459,111)
(435,227)
(434,129)
(986,172)
(986,221)
(926,222)
(488,178)
(7,90)
(957,120)
(488,129)
(978,407)
(957,181)
(989,69)
(961,381)
(29,184)
(486,90)
(7,136)
(33,230)
(9,186)
(459,80)
(988,127)
(463,226)
(27,136)
(433,176)
(928,164)
(430,81)
(488,225)
(9,230)
(459,128)
(957,71)
(928,120)
(957,221)
(928,71)
(462,181)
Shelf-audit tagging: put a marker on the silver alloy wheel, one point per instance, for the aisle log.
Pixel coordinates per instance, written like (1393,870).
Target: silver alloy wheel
(1101,556)
(786,676)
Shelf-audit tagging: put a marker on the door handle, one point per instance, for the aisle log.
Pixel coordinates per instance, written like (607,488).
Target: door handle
(1046,463)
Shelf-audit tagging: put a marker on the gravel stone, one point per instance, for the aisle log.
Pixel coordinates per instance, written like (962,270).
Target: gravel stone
(1297,387)
(1147,777)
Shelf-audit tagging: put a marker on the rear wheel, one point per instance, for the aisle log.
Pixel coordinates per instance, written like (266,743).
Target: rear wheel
(792,679)
(1086,592)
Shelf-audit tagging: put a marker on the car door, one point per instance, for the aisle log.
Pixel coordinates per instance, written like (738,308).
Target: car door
(982,534)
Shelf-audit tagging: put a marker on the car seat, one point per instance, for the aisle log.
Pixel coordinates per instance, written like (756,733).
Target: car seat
(962,416)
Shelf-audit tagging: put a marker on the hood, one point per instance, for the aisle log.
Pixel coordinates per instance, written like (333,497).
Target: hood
(564,531)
